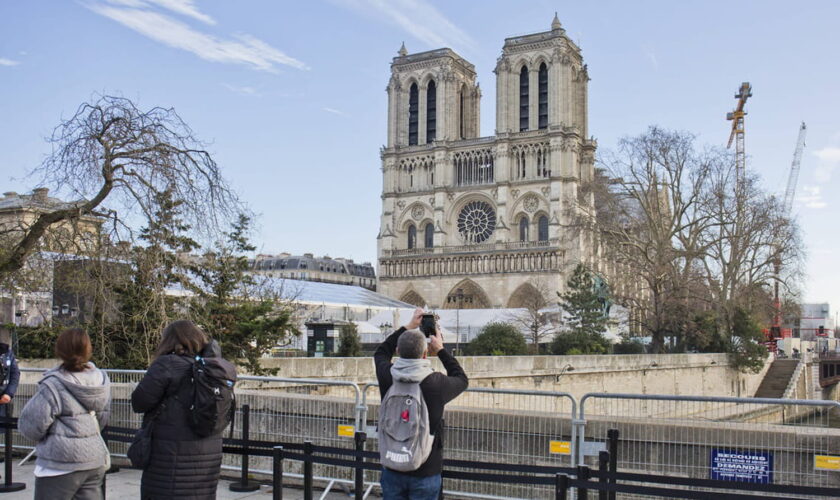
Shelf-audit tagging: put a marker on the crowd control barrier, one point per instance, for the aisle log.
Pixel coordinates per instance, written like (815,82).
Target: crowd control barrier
(510,444)
(745,440)
(517,427)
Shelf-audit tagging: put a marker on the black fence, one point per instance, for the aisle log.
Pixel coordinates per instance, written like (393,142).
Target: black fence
(605,481)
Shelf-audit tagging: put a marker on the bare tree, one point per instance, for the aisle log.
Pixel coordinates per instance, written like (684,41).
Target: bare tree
(534,319)
(679,240)
(651,226)
(115,160)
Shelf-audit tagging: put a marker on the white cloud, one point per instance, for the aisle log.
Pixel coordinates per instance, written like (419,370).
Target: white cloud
(244,49)
(183,7)
(418,18)
(242,90)
(829,160)
(651,56)
(8,62)
(334,111)
(811,197)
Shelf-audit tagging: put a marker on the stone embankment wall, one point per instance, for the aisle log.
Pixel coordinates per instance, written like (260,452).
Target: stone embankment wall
(684,374)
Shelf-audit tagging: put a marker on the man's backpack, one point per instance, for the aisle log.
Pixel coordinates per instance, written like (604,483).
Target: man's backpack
(405,438)
(212,401)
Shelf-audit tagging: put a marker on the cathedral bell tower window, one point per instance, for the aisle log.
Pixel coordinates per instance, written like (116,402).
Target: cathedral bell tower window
(523,99)
(523,229)
(412,237)
(413,114)
(429,235)
(431,112)
(543,97)
(542,228)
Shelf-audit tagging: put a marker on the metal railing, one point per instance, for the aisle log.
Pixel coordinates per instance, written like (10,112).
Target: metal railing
(770,440)
(523,434)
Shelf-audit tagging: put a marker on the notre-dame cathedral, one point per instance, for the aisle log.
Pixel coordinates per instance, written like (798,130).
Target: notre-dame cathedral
(481,222)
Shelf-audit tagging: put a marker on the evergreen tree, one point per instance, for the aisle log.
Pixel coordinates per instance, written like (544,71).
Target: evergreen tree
(582,309)
(584,318)
(145,304)
(246,317)
(498,339)
(745,348)
(349,344)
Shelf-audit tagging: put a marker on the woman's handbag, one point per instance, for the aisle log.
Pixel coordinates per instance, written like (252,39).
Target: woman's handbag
(140,449)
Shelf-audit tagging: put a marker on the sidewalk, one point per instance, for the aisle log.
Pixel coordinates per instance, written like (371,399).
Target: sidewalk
(126,484)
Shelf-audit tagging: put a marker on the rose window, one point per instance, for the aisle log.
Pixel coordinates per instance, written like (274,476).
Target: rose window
(476,222)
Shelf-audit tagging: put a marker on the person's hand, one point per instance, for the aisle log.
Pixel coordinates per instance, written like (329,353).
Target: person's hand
(436,342)
(4,399)
(415,319)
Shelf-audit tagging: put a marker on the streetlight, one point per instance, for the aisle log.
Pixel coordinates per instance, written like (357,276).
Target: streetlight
(459,294)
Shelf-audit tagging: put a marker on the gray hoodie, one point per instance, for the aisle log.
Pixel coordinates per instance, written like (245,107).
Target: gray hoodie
(65,417)
(411,370)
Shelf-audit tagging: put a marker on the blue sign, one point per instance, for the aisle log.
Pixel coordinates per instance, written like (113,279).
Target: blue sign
(741,465)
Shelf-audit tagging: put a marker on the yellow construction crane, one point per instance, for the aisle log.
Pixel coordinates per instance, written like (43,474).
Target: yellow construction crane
(737,134)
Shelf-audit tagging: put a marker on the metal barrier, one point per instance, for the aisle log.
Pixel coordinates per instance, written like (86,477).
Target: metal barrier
(528,428)
(773,441)
(520,434)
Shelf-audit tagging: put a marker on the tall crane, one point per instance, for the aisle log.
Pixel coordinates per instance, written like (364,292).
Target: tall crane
(793,178)
(787,205)
(737,134)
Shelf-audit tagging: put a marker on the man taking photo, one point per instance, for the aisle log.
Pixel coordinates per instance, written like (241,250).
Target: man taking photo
(411,414)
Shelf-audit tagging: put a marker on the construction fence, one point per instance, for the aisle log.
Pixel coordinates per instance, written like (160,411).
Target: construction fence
(771,446)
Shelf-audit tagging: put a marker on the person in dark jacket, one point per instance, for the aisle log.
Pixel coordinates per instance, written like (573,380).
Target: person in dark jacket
(10,375)
(437,388)
(183,465)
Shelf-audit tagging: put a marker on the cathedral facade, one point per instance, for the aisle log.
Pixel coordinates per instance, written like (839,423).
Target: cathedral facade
(483,222)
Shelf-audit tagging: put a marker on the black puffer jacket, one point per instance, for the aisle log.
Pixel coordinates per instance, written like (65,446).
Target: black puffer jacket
(183,465)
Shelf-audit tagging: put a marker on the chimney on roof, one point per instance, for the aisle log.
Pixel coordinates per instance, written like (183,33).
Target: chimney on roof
(40,194)
(309,255)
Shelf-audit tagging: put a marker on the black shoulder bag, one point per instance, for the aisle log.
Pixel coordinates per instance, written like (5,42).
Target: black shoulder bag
(140,449)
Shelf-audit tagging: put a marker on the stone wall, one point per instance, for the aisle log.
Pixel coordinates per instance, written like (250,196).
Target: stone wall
(684,374)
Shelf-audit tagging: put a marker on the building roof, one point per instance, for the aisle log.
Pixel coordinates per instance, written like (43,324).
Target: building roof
(39,199)
(314,292)
(309,262)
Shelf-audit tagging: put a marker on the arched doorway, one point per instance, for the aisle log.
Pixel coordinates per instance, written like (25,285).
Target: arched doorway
(413,298)
(466,295)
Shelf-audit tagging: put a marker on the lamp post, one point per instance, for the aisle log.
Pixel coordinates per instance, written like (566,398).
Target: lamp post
(459,295)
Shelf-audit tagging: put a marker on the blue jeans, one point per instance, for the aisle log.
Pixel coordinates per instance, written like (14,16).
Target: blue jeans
(399,486)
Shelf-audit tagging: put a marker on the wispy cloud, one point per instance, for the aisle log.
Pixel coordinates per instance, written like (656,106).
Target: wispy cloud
(651,56)
(140,16)
(418,18)
(8,62)
(242,90)
(334,111)
(829,160)
(811,197)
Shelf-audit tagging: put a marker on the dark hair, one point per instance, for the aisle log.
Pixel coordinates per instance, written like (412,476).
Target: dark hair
(74,349)
(181,337)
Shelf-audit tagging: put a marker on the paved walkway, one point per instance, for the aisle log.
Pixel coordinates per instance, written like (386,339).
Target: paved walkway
(126,484)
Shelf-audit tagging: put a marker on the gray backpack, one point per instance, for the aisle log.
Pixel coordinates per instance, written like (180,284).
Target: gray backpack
(405,439)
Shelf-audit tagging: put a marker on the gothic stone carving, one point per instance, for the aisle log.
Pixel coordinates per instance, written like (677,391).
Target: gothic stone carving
(417,212)
(530,203)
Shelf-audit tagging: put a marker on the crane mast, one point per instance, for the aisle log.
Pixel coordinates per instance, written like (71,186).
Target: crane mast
(737,133)
(793,178)
(787,205)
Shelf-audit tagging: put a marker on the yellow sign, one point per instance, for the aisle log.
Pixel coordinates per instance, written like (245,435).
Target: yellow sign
(826,462)
(560,447)
(346,431)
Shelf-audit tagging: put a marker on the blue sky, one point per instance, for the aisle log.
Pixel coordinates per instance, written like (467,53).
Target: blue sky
(291,94)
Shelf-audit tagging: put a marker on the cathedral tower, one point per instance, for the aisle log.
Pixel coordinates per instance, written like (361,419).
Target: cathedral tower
(480,222)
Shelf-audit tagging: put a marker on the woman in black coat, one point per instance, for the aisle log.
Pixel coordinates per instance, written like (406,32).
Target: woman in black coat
(183,465)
